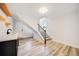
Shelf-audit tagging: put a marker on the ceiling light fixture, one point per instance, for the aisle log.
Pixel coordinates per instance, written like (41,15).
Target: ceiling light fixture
(43,10)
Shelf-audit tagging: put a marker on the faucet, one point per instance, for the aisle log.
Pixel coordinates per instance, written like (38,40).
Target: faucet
(9,31)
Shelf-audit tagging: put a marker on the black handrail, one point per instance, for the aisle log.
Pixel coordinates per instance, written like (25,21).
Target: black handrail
(42,32)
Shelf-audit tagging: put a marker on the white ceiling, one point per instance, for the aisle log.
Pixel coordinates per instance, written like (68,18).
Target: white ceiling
(54,9)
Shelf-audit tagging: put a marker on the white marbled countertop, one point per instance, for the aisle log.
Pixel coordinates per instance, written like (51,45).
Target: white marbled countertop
(9,37)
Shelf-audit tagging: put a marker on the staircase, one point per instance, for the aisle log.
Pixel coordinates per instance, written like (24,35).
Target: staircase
(4,20)
(35,31)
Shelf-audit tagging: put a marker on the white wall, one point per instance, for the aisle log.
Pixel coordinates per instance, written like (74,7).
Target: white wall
(78,22)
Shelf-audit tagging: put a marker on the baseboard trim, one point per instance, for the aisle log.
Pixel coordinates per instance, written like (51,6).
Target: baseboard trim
(66,43)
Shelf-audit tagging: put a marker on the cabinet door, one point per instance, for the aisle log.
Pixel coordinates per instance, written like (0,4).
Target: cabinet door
(8,48)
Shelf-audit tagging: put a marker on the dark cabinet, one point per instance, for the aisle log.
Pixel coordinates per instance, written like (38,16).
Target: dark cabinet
(8,48)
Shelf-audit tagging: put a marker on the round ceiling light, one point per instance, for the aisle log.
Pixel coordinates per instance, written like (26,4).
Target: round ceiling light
(43,10)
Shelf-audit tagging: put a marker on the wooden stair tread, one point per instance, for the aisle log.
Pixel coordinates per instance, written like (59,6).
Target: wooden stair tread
(73,52)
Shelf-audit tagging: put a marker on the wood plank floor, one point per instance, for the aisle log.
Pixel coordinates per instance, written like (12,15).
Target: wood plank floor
(31,47)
